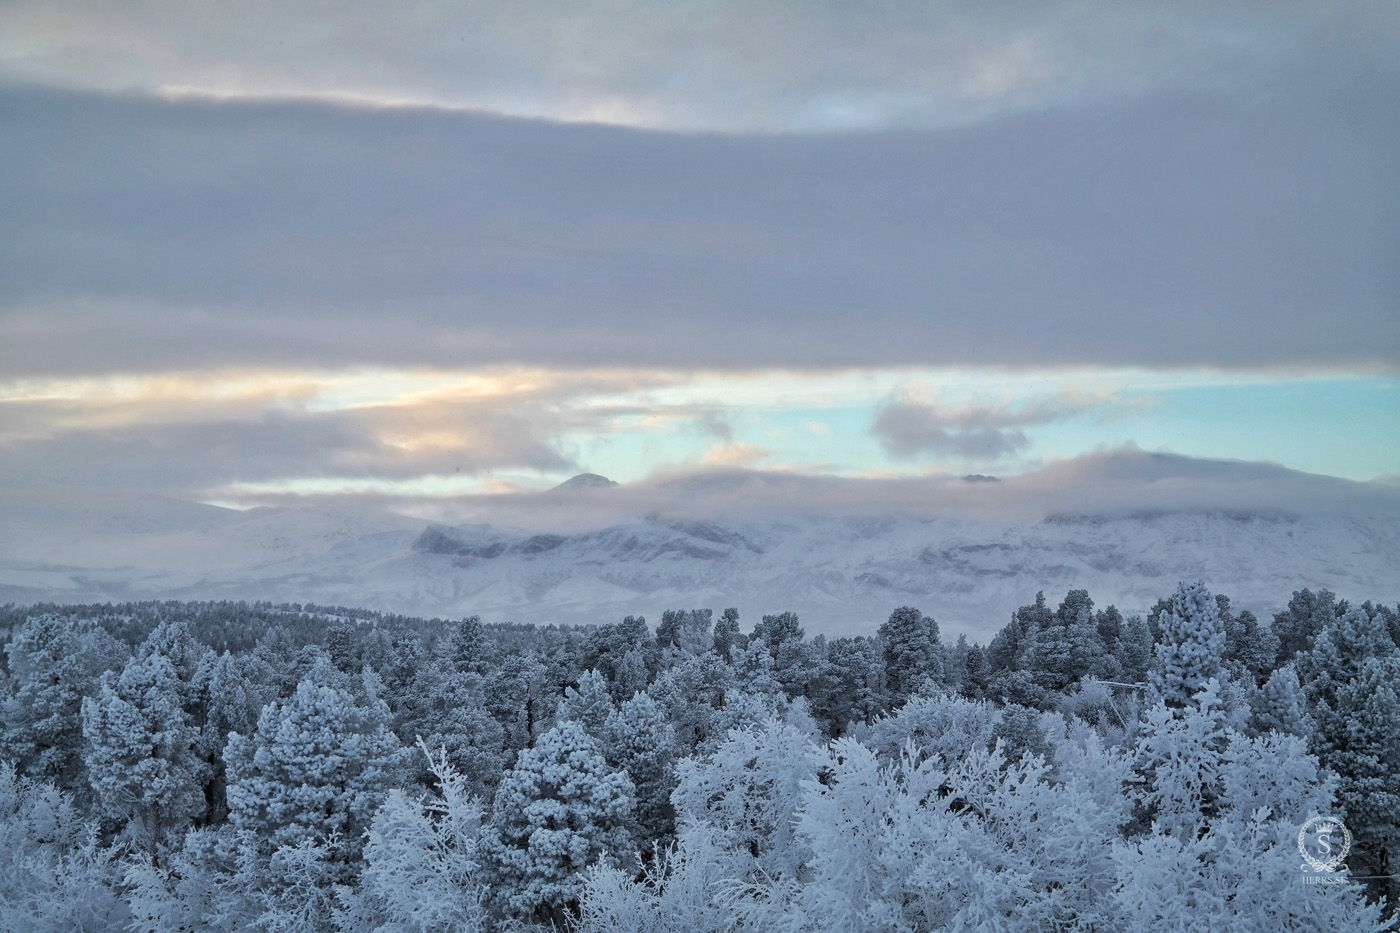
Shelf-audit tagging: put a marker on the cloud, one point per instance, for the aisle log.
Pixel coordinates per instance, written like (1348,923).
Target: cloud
(1111,482)
(192,450)
(908,425)
(730,65)
(711,423)
(143,235)
(735,454)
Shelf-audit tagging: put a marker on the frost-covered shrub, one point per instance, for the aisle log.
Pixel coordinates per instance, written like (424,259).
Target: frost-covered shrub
(946,725)
(422,872)
(53,874)
(749,790)
(683,890)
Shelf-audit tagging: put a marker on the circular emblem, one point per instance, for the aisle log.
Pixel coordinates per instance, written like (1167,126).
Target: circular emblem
(1324,842)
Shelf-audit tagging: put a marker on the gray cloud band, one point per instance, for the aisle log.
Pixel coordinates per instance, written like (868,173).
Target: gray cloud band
(1169,231)
(730,65)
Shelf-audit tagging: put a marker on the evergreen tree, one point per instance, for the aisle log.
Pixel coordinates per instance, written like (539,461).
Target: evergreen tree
(1006,648)
(1068,647)
(316,767)
(1299,624)
(1340,650)
(1192,645)
(727,636)
(912,653)
(142,749)
(695,635)
(853,685)
(1181,757)
(638,739)
(472,650)
(232,701)
(668,632)
(520,696)
(1250,647)
(975,676)
(559,811)
(54,662)
(777,630)
(1358,736)
(457,724)
(624,654)
(188,658)
(588,704)
(1136,650)
(690,695)
(1281,706)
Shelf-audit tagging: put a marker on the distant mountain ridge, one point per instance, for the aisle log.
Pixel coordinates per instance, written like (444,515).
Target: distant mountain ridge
(842,573)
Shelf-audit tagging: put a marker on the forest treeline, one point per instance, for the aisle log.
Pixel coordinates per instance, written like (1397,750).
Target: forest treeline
(173,766)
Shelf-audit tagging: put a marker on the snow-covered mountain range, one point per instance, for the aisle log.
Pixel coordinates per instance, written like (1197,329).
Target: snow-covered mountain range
(842,570)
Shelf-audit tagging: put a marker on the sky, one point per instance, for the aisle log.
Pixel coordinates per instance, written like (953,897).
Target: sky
(407,253)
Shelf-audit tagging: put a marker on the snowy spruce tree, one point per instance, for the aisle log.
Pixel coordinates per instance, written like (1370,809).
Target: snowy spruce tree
(559,811)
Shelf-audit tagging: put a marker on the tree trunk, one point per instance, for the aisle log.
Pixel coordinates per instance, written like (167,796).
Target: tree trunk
(155,834)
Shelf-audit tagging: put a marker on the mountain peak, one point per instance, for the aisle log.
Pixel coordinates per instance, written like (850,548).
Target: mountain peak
(584,481)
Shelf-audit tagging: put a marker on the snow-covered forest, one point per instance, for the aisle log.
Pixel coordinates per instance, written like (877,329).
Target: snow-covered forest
(185,766)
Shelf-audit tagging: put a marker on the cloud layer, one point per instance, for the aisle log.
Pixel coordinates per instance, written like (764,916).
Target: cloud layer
(908,425)
(1180,230)
(733,65)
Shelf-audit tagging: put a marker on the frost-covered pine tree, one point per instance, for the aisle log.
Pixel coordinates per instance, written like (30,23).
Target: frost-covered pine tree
(685,632)
(561,810)
(1299,624)
(1250,646)
(318,764)
(1358,736)
(459,724)
(472,650)
(1135,650)
(142,750)
(912,652)
(54,662)
(1281,705)
(1342,648)
(727,635)
(232,702)
(638,739)
(589,704)
(1192,645)
(693,692)
(1180,755)
(851,688)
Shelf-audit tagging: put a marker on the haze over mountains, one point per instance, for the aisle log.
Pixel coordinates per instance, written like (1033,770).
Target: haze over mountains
(841,553)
